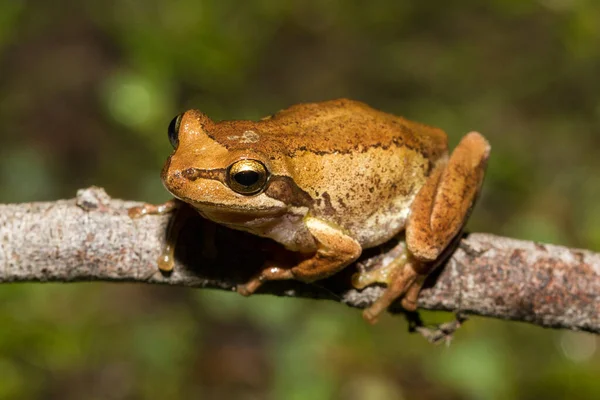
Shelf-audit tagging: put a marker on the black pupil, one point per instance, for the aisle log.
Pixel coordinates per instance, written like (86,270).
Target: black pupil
(246,178)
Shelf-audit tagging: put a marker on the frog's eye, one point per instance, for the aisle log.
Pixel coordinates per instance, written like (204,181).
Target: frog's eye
(247,176)
(174,130)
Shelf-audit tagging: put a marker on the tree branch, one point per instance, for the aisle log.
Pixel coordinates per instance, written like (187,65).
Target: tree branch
(91,238)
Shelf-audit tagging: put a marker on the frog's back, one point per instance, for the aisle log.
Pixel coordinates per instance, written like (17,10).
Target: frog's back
(343,126)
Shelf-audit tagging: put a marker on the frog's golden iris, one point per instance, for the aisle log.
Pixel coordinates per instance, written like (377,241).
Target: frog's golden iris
(247,176)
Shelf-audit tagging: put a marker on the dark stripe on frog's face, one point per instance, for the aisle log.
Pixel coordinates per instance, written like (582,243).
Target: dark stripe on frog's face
(282,188)
(218,174)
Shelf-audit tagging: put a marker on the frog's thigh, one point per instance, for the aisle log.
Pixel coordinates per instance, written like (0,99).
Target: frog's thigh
(335,250)
(444,203)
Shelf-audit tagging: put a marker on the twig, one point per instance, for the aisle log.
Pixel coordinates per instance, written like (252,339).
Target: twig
(91,238)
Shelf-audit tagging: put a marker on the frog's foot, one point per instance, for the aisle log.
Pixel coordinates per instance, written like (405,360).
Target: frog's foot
(401,278)
(406,282)
(166,259)
(380,274)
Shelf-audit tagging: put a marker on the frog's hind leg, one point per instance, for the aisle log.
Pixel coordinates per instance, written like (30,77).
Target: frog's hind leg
(438,214)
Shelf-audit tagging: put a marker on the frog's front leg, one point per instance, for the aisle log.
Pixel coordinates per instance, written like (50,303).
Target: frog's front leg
(154,209)
(166,260)
(438,214)
(335,250)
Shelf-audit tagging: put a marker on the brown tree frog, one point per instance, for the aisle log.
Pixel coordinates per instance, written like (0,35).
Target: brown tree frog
(329,180)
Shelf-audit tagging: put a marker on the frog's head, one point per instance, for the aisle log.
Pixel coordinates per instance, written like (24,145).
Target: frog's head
(222,169)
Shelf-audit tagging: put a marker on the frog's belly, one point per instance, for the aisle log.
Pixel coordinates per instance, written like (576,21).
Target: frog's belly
(381,226)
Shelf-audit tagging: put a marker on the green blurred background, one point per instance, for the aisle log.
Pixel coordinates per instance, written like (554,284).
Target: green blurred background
(87,90)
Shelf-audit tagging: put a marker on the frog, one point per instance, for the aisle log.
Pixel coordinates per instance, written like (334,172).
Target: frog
(328,180)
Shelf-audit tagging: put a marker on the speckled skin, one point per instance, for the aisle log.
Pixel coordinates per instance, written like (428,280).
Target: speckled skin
(342,177)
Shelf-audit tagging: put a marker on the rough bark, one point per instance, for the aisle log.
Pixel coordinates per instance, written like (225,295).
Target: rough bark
(92,238)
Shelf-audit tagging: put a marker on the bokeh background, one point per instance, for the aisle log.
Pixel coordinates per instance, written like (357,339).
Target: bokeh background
(87,89)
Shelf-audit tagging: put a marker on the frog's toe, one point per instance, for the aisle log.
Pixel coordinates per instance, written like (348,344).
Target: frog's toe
(409,304)
(166,261)
(246,289)
(370,315)
(411,297)
(136,212)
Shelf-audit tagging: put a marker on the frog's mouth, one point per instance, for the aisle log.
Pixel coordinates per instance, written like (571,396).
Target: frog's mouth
(236,210)
(238,217)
